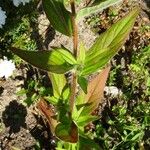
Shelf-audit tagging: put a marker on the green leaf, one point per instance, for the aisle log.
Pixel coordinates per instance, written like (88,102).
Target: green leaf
(21,92)
(96,7)
(66,92)
(58,83)
(85,120)
(80,98)
(58,16)
(109,43)
(137,136)
(67,132)
(85,109)
(83,83)
(79,105)
(86,143)
(57,60)
(87,103)
(51,99)
(76,113)
(81,56)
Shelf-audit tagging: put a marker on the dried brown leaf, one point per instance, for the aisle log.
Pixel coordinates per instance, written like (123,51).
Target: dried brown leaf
(48,112)
(96,88)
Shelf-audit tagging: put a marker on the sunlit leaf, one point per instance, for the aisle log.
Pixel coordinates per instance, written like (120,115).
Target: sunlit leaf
(80,98)
(96,7)
(109,43)
(80,111)
(52,100)
(82,51)
(83,83)
(58,83)
(57,60)
(85,120)
(58,16)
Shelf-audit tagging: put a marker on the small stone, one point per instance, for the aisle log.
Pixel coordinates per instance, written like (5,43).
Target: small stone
(146,20)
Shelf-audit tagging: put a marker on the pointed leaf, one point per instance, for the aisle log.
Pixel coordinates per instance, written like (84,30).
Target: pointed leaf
(57,60)
(109,43)
(83,83)
(97,61)
(85,120)
(58,16)
(81,56)
(67,132)
(58,83)
(96,89)
(96,7)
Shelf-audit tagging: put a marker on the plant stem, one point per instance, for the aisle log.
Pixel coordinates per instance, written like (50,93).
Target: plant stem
(75,29)
(75,51)
(73,91)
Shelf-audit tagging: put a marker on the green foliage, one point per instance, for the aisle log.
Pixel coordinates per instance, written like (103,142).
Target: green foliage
(82,53)
(33,92)
(125,122)
(86,143)
(139,74)
(19,35)
(67,132)
(108,44)
(125,128)
(58,60)
(113,75)
(57,88)
(97,6)
(59,17)
(73,110)
(83,83)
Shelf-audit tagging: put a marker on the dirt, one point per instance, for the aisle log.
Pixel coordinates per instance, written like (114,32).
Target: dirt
(20,126)
(56,39)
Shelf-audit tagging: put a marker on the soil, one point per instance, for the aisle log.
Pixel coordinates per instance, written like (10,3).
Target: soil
(20,126)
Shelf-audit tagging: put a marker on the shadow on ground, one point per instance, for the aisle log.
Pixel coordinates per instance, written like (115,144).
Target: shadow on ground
(41,132)
(148,3)
(14,116)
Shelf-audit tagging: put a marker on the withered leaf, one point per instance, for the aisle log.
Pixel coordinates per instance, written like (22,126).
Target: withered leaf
(49,114)
(96,88)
